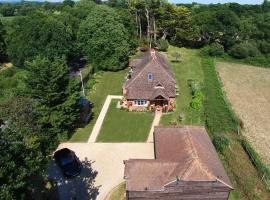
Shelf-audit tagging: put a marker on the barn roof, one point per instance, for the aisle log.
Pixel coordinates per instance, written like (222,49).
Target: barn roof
(183,152)
(139,87)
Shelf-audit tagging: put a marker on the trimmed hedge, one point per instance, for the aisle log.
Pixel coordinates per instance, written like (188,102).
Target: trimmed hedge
(219,116)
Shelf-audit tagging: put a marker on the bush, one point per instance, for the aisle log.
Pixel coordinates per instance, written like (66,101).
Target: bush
(197,100)
(215,49)
(163,45)
(264,47)
(221,143)
(244,50)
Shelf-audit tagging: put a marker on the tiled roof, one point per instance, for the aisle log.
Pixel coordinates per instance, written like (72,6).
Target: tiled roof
(183,152)
(139,87)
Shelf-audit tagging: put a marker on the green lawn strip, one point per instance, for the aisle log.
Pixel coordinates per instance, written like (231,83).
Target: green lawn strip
(188,68)
(124,126)
(220,119)
(107,83)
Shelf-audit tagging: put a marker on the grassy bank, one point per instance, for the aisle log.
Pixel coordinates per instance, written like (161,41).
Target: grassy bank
(105,83)
(124,126)
(221,120)
(188,68)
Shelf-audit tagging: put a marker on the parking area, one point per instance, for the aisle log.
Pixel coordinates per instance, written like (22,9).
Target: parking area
(103,168)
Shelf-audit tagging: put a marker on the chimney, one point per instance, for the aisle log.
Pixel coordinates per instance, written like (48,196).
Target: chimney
(153,54)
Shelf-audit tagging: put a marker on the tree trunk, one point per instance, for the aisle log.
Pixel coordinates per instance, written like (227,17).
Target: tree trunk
(148,23)
(137,22)
(154,27)
(140,26)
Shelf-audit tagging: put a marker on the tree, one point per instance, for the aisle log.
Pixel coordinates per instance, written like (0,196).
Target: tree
(56,94)
(38,34)
(23,147)
(2,43)
(104,39)
(68,3)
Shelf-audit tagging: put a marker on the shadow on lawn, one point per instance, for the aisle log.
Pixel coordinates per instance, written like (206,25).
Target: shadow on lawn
(78,188)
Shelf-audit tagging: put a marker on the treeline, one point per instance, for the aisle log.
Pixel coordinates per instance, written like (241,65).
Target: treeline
(44,41)
(42,108)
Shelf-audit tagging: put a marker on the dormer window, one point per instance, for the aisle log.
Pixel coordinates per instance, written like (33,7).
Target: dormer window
(150,77)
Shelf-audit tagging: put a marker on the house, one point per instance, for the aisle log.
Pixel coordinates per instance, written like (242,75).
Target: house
(186,166)
(151,84)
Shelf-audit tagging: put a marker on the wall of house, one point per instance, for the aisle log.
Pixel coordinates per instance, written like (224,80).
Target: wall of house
(132,107)
(205,191)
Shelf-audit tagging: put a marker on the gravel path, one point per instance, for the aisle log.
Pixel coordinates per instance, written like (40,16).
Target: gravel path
(155,122)
(101,117)
(107,168)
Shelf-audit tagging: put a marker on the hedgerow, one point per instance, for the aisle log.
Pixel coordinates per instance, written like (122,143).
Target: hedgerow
(219,117)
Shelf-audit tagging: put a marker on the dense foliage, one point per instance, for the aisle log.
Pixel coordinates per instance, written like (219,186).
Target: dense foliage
(104,40)
(38,34)
(23,146)
(56,95)
(219,117)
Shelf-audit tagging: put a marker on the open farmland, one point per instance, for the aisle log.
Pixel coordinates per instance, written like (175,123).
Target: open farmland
(248,90)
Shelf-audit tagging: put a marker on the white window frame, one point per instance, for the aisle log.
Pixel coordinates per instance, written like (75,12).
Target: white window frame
(149,75)
(140,102)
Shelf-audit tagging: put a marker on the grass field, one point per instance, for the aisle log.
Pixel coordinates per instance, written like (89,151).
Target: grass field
(118,193)
(221,120)
(106,83)
(188,69)
(248,90)
(124,126)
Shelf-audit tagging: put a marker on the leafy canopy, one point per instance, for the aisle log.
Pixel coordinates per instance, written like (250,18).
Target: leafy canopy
(104,39)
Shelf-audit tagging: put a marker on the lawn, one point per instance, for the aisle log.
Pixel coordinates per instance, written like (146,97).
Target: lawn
(105,83)
(124,126)
(189,68)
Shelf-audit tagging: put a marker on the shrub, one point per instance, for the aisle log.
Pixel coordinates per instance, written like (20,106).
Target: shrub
(215,49)
(197,100)
(221,143)
(264,47)
(163,45)
(244,50)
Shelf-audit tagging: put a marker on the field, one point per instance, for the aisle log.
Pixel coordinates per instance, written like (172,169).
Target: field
(189,68)
(248,90)
(124,126)
(105,83)
(221,120)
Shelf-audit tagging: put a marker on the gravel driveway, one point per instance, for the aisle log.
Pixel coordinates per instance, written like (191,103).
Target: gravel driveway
(103,168)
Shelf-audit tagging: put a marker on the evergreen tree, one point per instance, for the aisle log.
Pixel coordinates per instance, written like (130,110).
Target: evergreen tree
(56,95)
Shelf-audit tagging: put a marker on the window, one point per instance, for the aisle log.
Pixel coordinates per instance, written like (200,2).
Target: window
(150,76)
(140,102)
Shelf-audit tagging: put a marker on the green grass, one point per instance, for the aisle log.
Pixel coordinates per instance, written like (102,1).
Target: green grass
(221,119)
(188,68)
(124,126)
(106,83)
(219,116)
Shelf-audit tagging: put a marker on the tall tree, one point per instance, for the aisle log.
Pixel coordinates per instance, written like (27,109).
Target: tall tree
(38,34)
(2,43)
(104,39)
(56,95)
(23,147)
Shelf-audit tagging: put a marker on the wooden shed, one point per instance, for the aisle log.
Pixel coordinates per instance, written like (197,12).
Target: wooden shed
(186,166)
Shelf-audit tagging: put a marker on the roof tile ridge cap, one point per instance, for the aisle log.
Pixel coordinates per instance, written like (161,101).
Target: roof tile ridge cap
(193,158)
(202,165)
(224,183)
(137,75)
(162,66)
